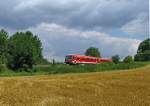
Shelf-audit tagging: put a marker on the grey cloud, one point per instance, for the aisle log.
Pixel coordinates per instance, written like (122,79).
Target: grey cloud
(71,26)
(83,14)
(139,26)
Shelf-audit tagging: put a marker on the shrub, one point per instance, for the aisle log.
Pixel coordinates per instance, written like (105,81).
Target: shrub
(142,56)
(3,46)
(143,52)
(116,59)
(128,59)
(24,49)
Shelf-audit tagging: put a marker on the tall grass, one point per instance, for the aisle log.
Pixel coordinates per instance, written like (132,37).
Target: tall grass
(65,68)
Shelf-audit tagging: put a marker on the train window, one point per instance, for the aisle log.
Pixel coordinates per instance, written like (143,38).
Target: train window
(68,57)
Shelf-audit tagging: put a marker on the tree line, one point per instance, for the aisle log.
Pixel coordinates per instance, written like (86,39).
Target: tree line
(143,53)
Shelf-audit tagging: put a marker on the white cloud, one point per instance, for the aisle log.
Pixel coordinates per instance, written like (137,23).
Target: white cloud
(59,41)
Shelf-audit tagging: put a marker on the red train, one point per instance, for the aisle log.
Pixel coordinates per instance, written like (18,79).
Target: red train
(79,59)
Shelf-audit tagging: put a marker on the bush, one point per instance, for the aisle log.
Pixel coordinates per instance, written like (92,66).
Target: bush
(3,46)
(143,52)
(142,56)
(20,62)
(1,68)
(128,59)
(24,49)
(116,59)
(144,46)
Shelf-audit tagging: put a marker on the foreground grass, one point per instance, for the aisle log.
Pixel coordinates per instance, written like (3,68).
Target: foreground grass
(64,68)
(117,88)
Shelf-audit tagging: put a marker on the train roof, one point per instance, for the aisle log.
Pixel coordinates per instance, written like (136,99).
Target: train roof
(78,55)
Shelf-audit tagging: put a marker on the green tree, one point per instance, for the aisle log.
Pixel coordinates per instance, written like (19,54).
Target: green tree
(24,49)
(144,46)
(3,46)
(142,56)
(92,51)
(143,52)
(128,59)
(116,59)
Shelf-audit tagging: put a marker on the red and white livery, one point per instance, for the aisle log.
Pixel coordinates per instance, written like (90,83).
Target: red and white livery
(80,59)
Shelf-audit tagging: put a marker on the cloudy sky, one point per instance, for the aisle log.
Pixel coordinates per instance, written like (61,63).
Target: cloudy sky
(71,26)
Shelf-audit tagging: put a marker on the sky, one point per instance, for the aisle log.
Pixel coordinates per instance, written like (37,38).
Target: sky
(71,26)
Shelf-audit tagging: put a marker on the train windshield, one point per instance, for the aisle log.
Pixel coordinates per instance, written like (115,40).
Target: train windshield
(68,58)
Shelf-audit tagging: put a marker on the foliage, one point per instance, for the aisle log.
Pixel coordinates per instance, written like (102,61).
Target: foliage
(3,46)
(53,61)
(143,52)
(142,56)
(64,68)
(92,51)
(116,59)
(42,61)
(144,46)
(23,50)
(128,59)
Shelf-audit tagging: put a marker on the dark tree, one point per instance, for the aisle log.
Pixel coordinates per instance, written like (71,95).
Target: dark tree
(144,46)
(142,56)
(3,46)
(24,49)
(116,59)
(128,59)
(92,51)
(53,61)
(143,52)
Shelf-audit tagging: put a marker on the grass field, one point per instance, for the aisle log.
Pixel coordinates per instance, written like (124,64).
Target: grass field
(116,88)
